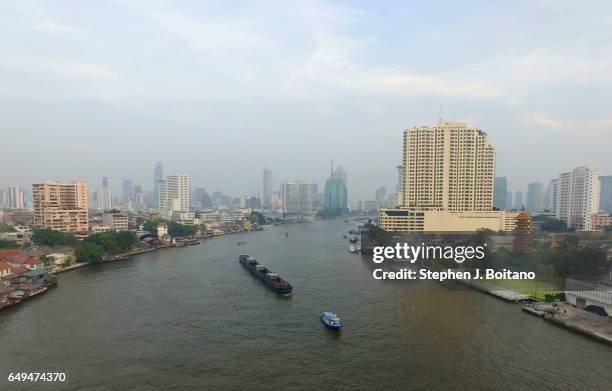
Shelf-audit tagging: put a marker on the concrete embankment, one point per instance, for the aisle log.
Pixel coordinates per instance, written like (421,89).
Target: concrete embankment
(574,319)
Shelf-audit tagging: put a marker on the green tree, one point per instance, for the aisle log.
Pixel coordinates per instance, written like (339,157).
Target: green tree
(90,252)
(49,237)
(257,218)
(179,230)
(47,260)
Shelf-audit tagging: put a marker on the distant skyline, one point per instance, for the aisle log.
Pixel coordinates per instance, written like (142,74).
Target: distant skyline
(220,91)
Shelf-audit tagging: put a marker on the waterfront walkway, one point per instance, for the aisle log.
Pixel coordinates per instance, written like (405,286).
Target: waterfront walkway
(494,290)
(583,322)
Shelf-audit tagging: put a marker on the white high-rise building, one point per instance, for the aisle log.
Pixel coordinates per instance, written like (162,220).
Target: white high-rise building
(554,190)
(577,197)
(105,197)
(267,188)
(296,198)
(174,193)
(14,197)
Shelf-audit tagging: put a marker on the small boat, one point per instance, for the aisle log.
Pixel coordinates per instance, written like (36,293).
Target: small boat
(352,249)
(241,242)
(331,320)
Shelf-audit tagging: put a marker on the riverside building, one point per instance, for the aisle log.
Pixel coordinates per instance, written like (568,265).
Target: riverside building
(576,197)
(448,182)
(60,206)
(174,193)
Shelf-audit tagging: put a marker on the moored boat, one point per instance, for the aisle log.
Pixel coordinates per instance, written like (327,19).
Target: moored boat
(331,320)
(271,279)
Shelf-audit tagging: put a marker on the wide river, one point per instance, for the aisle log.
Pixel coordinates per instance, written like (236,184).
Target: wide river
(194,319)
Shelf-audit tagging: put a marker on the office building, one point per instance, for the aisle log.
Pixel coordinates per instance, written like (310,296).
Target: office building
(158,176)
(267,189)
(60,207)
(605,193)
(535,197)
(105,197)
(341,174)
(174,193)
(500,191)
(14,198)
(518,200)
(380,194)
(335,196)
(128,190)
(509,204)
(296,198)
(139,198)
(115,220)
(367,206)
(577,197)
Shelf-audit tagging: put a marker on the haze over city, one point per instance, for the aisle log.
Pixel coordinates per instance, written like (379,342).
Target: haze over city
(220,91)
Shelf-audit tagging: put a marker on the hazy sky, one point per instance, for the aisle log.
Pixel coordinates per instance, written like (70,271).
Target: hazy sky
(220,90)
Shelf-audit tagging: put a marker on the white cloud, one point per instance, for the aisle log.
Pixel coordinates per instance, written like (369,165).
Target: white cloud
(77,68)
(53,26)
(571,126)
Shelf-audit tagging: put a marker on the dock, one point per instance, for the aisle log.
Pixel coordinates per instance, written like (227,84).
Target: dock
(574,319)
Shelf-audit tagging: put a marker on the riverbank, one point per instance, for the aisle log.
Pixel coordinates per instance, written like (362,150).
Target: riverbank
(574,319)
(561,314)
(509,295)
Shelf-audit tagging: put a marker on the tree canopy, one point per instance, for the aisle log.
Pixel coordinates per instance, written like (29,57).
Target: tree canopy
(47,237)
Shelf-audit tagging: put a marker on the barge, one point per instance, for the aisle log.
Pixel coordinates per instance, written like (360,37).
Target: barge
(271,279)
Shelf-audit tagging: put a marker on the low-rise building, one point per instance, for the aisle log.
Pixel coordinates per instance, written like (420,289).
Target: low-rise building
(416,220)
(115,219)
(367,206)
(600,221)
(5,269)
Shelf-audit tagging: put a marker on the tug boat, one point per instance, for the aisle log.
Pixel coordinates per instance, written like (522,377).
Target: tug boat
(271,279)
(331,320)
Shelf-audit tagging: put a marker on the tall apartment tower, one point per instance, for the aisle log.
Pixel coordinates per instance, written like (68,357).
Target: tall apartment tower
(577,197)
(14,197)
(105,197)
(174,193)
(450,166)
(60,206)
(158,176)
(554,190)
(267,188)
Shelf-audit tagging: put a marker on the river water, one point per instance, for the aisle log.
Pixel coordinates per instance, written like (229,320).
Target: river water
(193,319)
